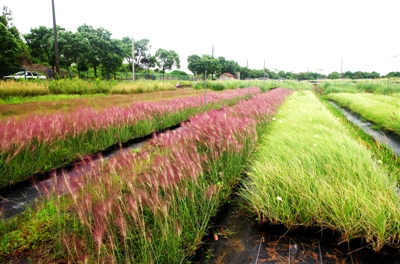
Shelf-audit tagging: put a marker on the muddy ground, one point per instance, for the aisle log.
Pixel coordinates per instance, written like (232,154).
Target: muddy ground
(237,238)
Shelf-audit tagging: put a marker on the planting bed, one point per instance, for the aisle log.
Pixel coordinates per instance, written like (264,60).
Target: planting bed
(39,143)
(310,172)
(147,207)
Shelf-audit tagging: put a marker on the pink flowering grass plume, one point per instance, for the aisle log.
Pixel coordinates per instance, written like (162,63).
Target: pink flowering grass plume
(41,142)
(48,128)
(166,194)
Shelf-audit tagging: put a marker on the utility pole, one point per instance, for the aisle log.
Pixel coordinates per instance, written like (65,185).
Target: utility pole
(341,69)
(133,59)
(55,40)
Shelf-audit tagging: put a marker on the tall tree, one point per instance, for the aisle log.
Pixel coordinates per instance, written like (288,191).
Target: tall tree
(166,59)
(212,65)
(143,57)
(194,64)
(11,44)
(113,59)
(72,48)
(41,43)
(230,66)
(99,40)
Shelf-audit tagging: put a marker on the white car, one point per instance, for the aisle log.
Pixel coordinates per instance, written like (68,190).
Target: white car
(25,75)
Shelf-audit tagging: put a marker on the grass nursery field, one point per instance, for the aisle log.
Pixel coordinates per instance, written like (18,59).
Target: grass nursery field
(38,143)
(148,206)
(309,171)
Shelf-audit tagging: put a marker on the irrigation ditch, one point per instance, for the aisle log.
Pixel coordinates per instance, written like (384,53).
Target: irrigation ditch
(387,139)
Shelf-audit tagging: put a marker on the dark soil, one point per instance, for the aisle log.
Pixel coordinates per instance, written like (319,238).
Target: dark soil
(242,240)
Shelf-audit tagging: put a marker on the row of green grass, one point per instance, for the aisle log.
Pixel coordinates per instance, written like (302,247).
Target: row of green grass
(31,88)
(310,171)
(382,110)
(379,86)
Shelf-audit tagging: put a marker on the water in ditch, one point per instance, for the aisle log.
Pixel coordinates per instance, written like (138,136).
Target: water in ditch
(387,139)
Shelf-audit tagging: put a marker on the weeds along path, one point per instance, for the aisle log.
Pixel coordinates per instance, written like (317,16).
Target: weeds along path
(309,171)
(42,142)
(147,206)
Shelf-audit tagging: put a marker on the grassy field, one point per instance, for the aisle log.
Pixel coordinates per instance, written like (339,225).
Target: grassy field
(309,171)
(11,89)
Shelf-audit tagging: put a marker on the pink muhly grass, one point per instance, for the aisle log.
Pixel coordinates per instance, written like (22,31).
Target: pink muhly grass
(122,224)
(52,127)
(99,230)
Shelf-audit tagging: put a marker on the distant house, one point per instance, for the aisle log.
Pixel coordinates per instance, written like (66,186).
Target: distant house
(227,76)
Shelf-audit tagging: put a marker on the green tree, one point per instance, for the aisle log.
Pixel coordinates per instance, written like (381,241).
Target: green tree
(348,75)
(333,75)
(11,44)
(230,66)
(210,64)
(100,42)
(113,59)
(357,75)
(166,60)
(393,74)
(194,64)
(143,57)
(72,48)
(41,44)
(374,75)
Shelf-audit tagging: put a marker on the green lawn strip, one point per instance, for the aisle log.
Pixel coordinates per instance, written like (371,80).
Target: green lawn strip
(310,171)
(383,111)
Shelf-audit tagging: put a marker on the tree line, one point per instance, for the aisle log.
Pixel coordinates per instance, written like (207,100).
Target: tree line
(87,47)
(94,48)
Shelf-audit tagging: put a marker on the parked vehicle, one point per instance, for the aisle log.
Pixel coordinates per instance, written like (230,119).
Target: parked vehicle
(25,75)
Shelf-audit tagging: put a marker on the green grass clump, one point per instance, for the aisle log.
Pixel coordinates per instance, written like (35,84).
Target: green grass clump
(382,110)
(310,172)
(378,86)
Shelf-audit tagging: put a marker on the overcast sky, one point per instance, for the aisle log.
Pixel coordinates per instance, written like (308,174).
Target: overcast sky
(291,35)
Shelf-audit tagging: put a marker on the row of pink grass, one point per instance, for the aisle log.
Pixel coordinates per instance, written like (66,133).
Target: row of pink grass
(180,162)
(14,133)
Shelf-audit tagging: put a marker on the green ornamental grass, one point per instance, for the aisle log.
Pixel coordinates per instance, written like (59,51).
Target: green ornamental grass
(310,172)
(382,110)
